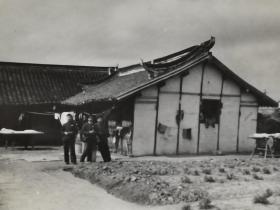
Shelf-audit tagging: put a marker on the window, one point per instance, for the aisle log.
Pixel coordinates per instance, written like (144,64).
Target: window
(210,110)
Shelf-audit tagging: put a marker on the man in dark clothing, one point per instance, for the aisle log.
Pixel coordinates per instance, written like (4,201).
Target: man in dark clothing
(69,131)
(102,134)
(89,137)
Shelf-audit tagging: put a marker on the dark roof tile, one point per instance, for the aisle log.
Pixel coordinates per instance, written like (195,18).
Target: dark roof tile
(27,84)
(109,89)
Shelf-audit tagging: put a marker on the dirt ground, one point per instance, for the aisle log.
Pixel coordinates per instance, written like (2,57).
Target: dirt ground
(231,182)
(35,180)
(39,180)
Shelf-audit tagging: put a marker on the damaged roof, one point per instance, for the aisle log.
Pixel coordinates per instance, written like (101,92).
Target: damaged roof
(132,79)
(32,84)
(110,89)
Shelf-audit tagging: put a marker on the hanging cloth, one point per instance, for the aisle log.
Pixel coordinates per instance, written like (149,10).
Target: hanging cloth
(162,128)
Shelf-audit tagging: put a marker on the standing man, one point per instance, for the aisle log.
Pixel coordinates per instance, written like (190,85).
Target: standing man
(89,137)
(69,131)
(102,136)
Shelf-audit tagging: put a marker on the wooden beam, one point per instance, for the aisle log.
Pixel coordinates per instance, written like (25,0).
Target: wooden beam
(179,122)
(219,125)
(156,123)
(132,121)
(238,126)
(200,97)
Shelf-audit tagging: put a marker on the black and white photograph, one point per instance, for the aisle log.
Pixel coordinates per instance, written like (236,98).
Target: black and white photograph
(139,104)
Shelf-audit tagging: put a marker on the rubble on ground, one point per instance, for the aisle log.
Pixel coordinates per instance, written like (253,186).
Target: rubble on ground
(121,178)
(162,182)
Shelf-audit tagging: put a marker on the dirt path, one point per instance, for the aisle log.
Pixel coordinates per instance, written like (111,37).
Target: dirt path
(45,186)
(34,180)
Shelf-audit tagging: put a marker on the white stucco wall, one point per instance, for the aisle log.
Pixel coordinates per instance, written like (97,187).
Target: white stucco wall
(191,82)
(145,115)
(248,97)
(229,116)
(248,126)
(171,85)
(208,139)
(248,121)
(144,127)
(168,106)
(189,104)
(230,87)
(229,124)
(211,89)
(212,80)
(149,92)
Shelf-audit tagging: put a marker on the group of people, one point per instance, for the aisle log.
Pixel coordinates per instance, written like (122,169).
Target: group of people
(93,133)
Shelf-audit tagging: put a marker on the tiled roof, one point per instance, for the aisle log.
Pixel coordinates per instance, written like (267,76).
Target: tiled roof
(111,88)
(128,81)
(28,84)
(139,75)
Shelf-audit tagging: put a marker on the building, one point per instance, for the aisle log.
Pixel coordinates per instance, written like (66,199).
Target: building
(38,89)
(188,102)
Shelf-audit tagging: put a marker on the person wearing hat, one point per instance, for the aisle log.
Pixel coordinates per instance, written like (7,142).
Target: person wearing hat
(89,137)
(69,131)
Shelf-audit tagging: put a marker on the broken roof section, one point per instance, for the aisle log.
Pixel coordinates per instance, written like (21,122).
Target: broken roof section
(132,79)
(35,84)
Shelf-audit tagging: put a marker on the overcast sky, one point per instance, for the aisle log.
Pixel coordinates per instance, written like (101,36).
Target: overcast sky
(111,32)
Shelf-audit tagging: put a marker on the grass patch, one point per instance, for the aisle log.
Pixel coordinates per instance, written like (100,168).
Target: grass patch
(257,177)
(186,207)
(206,171)
(222,170)
(186,170)
(191,195)
(256,169)
(186,179)
(205,203)
(231,176)
(162,171)
(263,198)
(246,171)
(195,173)
(209,179)
(266,170)
(231,166)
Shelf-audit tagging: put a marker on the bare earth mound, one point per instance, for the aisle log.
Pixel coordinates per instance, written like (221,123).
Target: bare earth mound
(163,182)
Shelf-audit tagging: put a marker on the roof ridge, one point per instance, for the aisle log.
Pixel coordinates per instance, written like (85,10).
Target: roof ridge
(179,56)
(59,67)
(183,55)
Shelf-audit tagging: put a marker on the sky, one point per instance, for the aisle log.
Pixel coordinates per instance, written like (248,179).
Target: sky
(121,32)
